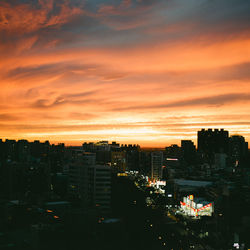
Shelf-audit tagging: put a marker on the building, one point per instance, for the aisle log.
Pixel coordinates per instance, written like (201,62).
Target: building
(132,156)
(220,160)
(211,142)
(173,151)
(99,188)
(183,187)
(90,183)
(188,151)
(78,174)
(156,165)
(102,149)
(238,149)
(118,161)
(195,206)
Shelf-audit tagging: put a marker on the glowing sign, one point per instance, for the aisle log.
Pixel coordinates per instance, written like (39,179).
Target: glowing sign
(162,183)
(204,207)
(122,174)
(183,204)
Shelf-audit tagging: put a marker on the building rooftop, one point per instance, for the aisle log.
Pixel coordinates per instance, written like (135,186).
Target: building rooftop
(192,183)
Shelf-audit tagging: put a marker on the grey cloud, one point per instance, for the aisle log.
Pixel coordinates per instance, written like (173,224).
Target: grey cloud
(208,101)
(215,101)
(126,23)
(45,69)
(75,98)
(71,72)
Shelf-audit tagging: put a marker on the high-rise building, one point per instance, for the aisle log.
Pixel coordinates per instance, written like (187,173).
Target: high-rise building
(145,162)
(78,173)
(173,151)
(220,160)
(23,150)
(238,149)
(188,151)
(99,188)
(132,156)
(102,149)
(118,161)
(156,165)
(91,183)
(10,149)
(212,141)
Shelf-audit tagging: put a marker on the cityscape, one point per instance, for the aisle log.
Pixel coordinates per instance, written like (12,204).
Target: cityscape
(105,195)
(124,124)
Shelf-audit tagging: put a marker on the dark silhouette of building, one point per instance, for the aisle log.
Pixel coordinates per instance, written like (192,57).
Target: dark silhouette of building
(156,165)
(238,150)
(212,141)
(132,156)
(188,151)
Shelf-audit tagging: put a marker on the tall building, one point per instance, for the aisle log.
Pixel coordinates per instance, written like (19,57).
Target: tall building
(238,149)
(23,150)
(99,188)
(145,162)
(132,156)
(102,149)
(173,151)
(156,165)
(118,161)
(10,149)
(220,160)
(212,141)
(78,174)
(188,151)
(91,183)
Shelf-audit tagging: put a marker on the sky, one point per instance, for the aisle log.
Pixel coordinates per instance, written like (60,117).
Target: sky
(148,72)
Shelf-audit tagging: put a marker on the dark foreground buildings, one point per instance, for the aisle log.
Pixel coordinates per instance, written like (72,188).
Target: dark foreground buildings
(61,195)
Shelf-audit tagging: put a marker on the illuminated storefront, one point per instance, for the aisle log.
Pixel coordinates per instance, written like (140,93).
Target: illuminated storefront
(159,185)
(196,206)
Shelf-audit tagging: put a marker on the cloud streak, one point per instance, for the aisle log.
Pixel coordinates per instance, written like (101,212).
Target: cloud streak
(215,101)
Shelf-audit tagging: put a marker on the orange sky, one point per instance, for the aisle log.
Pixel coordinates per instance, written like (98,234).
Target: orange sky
(142,71)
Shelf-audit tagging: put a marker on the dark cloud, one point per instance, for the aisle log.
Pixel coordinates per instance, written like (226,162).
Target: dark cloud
(215,101)
(48,23)
(235,72)
(42,70)
(74,98)
(9,117)
(30,16)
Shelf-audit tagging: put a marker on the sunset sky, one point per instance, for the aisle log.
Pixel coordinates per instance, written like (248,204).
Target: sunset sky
(150,72)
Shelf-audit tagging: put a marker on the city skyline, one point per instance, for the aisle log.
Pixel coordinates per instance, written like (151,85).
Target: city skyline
(140,72)
(110,142)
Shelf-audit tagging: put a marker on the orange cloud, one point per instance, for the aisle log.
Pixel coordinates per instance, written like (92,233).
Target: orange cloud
(110,74)
(26,18)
